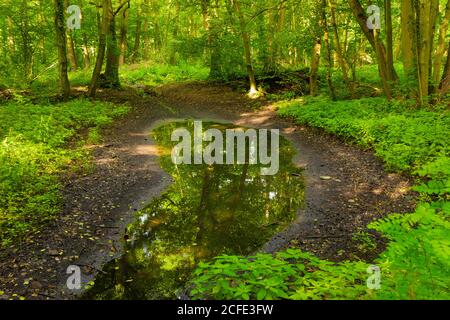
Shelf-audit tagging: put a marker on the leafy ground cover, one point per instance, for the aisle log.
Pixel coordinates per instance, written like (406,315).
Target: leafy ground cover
(151,74)
(416,263)
(38,144)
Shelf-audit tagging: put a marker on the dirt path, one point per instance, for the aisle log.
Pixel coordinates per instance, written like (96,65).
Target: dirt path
(99,206)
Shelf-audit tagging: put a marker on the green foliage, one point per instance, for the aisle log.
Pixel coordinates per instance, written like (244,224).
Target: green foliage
(34,151)
(290,274)
(365,241)
(411,140)
(416,263)
(150,74)
(418,256)
(157,74)
(405,138)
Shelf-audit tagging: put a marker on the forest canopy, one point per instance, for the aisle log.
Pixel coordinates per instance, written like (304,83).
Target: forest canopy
(233,38)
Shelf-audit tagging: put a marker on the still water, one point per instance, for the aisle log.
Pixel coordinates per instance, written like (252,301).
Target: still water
(208,210)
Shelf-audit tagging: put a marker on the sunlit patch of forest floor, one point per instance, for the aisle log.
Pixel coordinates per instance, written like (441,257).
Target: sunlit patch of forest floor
(346,188)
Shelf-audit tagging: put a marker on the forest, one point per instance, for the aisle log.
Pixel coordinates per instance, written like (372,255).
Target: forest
(93,206)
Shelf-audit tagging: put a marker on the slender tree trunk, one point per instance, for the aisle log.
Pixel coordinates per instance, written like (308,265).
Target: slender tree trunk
(318,30)
(137,39)
(339,52)
(43,42)
(61,42)
(433,24)
(384,70)
(85,47)
(71,52)
(27,50)
(156,27)
(210,23)
(440,49)
(389,41)
(418,29)
(123,43)
(176,22)
(86,54)
(424,45)
(280,22)
(444,87)
(146,38)
(398,46)
(247,49)
(269,62)
(11,37)
(326,40)
(313,83)
(409,50)
(71,47)
(377,45)
(4,49)
(346,32)
(101,47)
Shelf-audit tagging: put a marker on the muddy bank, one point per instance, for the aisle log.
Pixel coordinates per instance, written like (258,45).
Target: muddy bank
(345,189)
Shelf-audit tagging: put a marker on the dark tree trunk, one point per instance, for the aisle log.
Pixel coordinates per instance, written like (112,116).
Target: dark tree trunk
(101,47)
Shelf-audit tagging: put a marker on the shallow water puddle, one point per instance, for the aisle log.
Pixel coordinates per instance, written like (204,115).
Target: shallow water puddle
(207,211)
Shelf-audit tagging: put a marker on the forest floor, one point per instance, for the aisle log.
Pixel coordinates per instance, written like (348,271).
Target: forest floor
(346,188)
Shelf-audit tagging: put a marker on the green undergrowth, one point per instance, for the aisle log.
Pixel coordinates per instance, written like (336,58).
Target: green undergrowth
(154,75)
(149,74)
(38,144)
(416,263)
(406,138)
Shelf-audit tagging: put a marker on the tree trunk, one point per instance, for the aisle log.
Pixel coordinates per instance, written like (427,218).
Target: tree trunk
(339,52)
(71,47)
(146,38)
(268,59)
(377,45)
(389,41)
(71,52)
(424,45)
(156,28)
(210,17)
(176,22)
(101,47)
(317,28)
(112,57)
(313,84)
(384,70)
(43,42)
(61,42)
(27,50)
(112,49)
(444,87)
(85,47)
(275,50)
(409,50)
(326,39)
(86,55)
(123,43)
(137,40)
(440,49)
(247,49)
(11,37)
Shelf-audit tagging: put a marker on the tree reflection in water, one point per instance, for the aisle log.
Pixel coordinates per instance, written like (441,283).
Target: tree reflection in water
(207,211)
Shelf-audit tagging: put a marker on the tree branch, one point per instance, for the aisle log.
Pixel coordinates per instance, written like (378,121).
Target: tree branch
(121,7)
